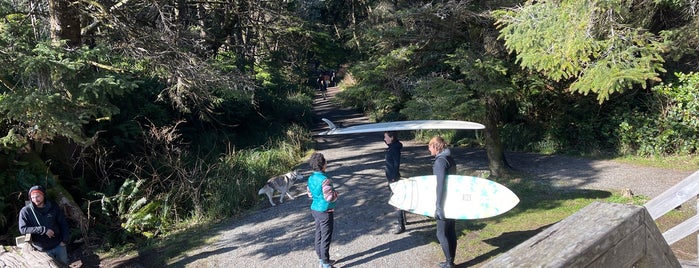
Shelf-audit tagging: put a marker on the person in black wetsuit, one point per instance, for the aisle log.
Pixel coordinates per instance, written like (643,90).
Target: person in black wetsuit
(446,228)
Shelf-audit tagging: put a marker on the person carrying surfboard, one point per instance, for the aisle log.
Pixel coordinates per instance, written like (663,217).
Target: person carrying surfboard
(392,171)
(443,165)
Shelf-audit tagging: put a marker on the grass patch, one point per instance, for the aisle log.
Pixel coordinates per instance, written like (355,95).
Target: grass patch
(161,251)
(682,162)
(540,207)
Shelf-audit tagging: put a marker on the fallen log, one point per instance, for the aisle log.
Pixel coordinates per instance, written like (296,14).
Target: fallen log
(25,256)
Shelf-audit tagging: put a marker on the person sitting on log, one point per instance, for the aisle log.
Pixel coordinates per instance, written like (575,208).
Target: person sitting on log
(46,223)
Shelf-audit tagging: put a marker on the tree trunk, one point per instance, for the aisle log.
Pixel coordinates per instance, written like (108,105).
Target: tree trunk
(65,25)
(72,210)
(65,22)
(493,145)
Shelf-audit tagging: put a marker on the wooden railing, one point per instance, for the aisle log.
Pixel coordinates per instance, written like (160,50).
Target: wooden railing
(599,235)
(610,235)
(672,198)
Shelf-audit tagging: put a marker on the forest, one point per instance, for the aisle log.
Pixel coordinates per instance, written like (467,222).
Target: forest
(144,117)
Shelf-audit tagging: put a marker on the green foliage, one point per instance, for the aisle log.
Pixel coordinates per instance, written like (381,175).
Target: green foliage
(488,72)
(440,98)
(383,84)
(16,180)
(674,162)
(575,40)
(241,173)
(55,93)
(142,69)
(672,120)
(137,213)
(546,36)
(169,186)
(12,179)
(628,60)
(658,122)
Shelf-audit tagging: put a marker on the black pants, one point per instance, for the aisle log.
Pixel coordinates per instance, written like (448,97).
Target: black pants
(401,218)
(446,234)
(323,234)
(400,214)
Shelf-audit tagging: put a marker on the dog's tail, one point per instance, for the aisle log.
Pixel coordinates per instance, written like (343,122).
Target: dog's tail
(263,189)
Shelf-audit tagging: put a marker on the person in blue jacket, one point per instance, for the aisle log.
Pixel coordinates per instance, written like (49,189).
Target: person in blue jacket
(45,221)
(321,189)
(443,165)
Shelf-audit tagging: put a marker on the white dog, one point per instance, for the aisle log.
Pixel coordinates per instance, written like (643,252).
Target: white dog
(281,184)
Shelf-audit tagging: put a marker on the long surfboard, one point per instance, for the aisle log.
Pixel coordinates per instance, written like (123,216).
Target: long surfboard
(399,125)
(467,197)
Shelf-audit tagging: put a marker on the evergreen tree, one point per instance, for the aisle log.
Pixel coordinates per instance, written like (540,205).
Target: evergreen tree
(589,43)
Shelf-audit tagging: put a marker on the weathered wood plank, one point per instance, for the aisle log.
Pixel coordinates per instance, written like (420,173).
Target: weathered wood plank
(599,235)
(689,264)
(673,197)
(26,257)
(658,252)
(624,253)
(682,230)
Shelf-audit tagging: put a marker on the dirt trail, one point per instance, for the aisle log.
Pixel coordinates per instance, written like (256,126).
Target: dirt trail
(281,236)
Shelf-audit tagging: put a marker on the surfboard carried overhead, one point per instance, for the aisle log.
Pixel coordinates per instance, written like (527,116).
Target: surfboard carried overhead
(399,125)
(467,197)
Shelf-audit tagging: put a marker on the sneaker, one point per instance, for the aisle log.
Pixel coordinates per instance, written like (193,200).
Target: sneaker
(446,265)
(327,265)
(397,229)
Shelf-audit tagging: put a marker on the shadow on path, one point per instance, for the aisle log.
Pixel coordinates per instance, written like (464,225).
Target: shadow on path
(281,236)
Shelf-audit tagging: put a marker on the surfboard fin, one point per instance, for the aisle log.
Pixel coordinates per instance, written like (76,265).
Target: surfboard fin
(330,123)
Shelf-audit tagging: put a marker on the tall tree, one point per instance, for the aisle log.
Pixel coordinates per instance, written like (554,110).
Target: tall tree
(424,62)
(489,75)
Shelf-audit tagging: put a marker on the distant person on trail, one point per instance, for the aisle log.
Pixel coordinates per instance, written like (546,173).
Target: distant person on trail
(443,165)
(320,188)
(322,84)
(332,78)
(48,227)
(393,171)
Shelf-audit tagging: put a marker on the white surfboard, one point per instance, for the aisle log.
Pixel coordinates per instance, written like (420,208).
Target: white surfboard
(467,197)
(399,125)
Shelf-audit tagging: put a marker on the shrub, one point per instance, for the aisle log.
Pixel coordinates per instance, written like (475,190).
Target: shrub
(669,125)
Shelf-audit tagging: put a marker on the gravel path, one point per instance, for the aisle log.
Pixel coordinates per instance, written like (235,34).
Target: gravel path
(281,236)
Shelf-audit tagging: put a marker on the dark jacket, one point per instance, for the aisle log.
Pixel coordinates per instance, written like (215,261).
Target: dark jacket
(50,217)
(393,161)
(443,165)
